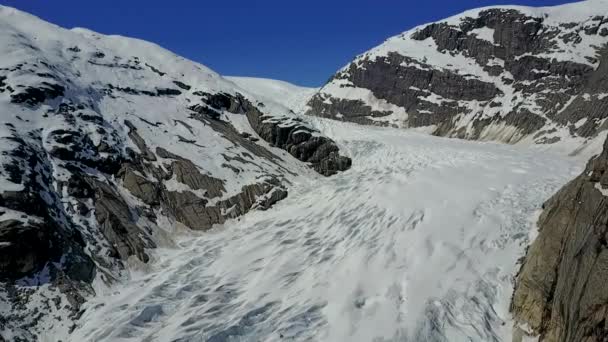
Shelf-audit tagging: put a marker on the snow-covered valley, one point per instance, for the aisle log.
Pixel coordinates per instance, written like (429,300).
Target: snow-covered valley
(417,242)
(145,197)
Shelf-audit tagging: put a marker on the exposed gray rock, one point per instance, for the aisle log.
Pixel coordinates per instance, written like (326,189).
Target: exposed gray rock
(187,173)
(42,237)
(284,132)
(141,187)
(34,96)
(186,207)
(117,223)
(94,161)
(194,212)
(561,290)
(139,142)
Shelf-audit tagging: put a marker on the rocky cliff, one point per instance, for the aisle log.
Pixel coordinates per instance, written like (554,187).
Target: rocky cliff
(561,290)
(108,145)
(500,73)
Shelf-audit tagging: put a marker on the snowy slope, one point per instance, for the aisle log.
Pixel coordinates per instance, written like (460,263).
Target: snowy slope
(289,95)
(417,242)
(508,73)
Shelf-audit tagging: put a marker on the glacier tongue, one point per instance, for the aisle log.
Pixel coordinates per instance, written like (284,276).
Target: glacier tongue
(417,242)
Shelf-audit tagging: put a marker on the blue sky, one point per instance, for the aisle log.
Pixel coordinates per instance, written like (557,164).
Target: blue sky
(302,42)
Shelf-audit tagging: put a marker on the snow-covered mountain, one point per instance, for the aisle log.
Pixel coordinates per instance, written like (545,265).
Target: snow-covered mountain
(109,145)
(509,73)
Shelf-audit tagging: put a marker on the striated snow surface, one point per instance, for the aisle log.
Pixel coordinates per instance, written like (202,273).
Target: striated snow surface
(417,242)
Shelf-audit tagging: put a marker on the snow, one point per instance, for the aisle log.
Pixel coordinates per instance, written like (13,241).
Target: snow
(484,33)
(599,187)
(289,95)
(427,50)
(582,12)
(170,115)
(497,62)
(572,12)
(422,230)
(7,185)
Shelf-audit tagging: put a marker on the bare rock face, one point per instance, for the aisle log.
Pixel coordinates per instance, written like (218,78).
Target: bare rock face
(492,74)
(561,290)
(197,214)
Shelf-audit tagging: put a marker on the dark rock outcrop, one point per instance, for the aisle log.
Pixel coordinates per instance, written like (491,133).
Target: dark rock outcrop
(24,248)
(561,290)
(118,225)
(72,219)
(287,133)
(195,211)
(187,173)
(300,141)
(36,95)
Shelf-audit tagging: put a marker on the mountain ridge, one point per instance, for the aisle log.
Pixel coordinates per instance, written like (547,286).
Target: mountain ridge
(536,81)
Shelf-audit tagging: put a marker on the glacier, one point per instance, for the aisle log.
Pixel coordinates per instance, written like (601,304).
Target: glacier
(419,241)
